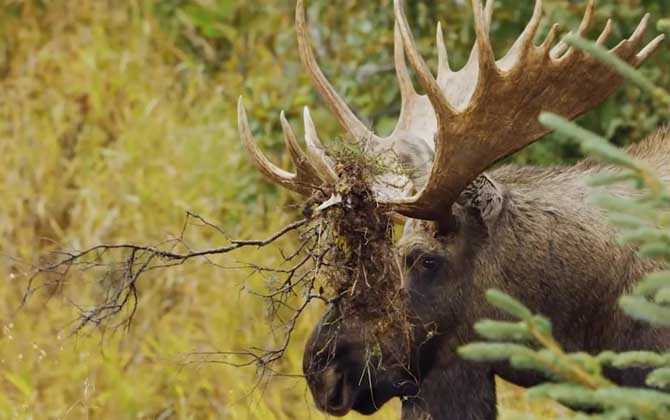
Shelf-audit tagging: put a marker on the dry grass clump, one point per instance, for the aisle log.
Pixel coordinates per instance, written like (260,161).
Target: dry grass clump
(363,239)
(361,273)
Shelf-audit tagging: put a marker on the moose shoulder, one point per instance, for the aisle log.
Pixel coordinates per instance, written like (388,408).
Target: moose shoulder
(530,232)
(548,246)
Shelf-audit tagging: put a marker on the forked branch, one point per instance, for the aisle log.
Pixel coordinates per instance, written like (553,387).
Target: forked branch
(123,265)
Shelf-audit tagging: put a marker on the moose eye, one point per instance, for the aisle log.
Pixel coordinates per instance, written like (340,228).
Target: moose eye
(429,263)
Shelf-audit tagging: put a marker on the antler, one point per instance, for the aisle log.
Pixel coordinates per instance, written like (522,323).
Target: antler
(468,118)
(489,109)
(312,168)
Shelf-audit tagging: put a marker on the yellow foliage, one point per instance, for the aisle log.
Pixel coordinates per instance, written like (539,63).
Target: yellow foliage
(109,132)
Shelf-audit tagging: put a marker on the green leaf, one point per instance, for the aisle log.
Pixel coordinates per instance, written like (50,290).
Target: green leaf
(587,361)
(542,324)
(607,178)
(502,331)
(491,352)
(655,250)
(600,148)
(627,221)
(637,359)
(663,25)
(646,403)
(543,361)
(591,143)
(508,304)
(646,234)
(575,396)
(642,309)
(624,205)
(659,378)
(663,296)
(652,282)
(606,357)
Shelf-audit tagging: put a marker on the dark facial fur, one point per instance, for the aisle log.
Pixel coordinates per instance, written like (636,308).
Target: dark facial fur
(527,231)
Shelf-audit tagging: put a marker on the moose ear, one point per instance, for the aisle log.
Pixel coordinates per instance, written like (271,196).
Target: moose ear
(483,198)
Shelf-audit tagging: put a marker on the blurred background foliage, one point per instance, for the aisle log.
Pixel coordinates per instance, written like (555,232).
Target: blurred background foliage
(118,117)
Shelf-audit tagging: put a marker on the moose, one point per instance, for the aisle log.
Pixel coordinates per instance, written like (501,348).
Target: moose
(528,231)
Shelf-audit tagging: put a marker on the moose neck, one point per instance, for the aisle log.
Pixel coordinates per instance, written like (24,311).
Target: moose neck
(452,388)
(554,251)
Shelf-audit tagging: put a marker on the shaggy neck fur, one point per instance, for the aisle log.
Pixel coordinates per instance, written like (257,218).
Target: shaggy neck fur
(555,252)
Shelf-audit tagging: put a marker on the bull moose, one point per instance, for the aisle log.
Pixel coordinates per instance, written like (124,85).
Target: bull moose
(528,231)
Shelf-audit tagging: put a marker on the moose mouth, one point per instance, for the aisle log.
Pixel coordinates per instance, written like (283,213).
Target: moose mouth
(345,396)
(340,398)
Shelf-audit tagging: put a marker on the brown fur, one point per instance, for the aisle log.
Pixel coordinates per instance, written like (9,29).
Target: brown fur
(532,234)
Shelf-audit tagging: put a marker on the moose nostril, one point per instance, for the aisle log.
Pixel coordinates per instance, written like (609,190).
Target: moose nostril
(336,394)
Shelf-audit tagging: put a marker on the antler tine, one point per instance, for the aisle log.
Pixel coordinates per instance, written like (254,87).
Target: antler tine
(467,120)
(628,47)
(442,108)
(304,168)
(488,13)
(501,117)
(562,50)
(402,73)
(587,19)
(442,56)
(524,42)
(559,49)
(487,63)
(549,40)
(270,170)
(531,29)
(584,26)
(648,50)
(315,149)
(528,34)
(349,122)
(605,34)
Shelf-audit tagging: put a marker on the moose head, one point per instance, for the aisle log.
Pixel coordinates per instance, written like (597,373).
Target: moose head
(465,229)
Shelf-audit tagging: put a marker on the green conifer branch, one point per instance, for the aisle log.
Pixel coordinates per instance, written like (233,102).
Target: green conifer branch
(644,221)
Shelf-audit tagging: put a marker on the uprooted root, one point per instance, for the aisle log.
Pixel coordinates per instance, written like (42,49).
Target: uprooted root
(363,273)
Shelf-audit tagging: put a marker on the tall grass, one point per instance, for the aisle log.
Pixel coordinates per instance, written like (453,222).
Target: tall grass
(108,134)
(110,130)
